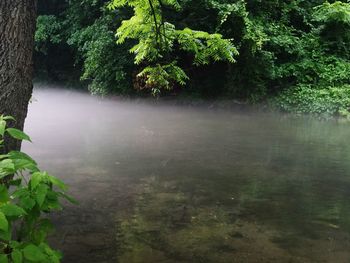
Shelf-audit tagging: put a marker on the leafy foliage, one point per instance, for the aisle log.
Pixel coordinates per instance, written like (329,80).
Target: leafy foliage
(336,12)
(325,101)
(279,47)
(163,77)
(48,31)
(157,38)
(86,46)
(26,193)
(320,71)
(105,64)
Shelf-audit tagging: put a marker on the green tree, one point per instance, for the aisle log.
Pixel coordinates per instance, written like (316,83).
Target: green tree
(292,53)
(158,38)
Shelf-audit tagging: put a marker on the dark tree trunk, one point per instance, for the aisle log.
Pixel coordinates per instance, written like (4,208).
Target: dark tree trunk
(17,29)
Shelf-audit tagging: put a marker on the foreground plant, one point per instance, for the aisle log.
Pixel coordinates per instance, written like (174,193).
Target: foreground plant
(27,194)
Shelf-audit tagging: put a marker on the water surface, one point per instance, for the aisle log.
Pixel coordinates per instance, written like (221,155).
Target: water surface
(158,182)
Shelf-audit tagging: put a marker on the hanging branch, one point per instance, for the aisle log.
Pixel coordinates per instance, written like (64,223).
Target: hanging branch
(162,17)
(155,24)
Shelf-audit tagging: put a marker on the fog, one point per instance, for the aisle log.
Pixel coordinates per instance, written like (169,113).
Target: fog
(285,179)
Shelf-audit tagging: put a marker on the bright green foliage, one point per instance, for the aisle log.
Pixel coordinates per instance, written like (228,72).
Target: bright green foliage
(157,38)
(26,194)
(205,47)
(337,12)
(335,26)
(162,76)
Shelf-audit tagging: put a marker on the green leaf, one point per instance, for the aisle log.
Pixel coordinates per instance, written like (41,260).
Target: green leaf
(27,203)
(23,164)
(12,210)
(40,234)
(4,224)
(9,118)
(2,127)
(7,164)
(35,180)
(23,161)
(33,253)
(17,134)
(4,196)
(7,167)
(3,156)
(52,201)
(3,259)
(21,193)
(41,194)
(14,244)
(5,235)
(54,256)
(46,225)
(20,155)
(57,182)
(17,256)
(68,198)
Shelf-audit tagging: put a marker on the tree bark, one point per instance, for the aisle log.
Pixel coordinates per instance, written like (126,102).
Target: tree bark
(17,29)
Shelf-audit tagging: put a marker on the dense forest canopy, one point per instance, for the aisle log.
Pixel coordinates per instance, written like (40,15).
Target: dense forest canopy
(291,54)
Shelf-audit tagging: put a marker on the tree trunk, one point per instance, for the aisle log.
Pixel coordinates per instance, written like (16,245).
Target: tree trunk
(17,29)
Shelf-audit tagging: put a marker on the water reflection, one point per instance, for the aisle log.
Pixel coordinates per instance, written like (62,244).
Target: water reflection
(164,183)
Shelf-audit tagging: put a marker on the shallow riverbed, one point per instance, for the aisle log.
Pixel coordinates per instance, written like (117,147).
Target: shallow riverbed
(158,182)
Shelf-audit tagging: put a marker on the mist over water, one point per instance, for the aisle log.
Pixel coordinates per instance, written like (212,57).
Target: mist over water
(158,182)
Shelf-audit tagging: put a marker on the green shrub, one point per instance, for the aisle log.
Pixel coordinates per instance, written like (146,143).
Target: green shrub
(26,195)
(325,101)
